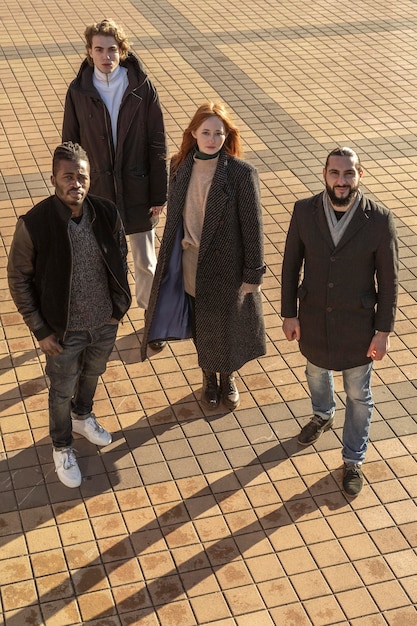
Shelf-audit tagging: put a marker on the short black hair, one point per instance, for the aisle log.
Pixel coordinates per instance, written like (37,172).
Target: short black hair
(344,152)
(68,151)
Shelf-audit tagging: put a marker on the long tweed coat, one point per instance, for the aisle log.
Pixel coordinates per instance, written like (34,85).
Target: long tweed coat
(229,326)
(348,291)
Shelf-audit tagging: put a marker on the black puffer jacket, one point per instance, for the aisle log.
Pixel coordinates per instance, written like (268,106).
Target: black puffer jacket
(40,263)
(135,175)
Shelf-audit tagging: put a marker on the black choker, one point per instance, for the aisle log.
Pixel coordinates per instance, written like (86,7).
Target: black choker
(203,156)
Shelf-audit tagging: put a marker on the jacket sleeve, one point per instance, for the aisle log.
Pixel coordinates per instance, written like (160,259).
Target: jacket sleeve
(70,124)
(291,268)
(386,268)
(250,216)
(157,148)
(21,272)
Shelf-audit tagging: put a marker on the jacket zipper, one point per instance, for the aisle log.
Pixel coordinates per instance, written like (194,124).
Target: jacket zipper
(71,273)
(108,136)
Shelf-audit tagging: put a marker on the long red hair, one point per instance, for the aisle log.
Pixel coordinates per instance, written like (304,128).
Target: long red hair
(232,144)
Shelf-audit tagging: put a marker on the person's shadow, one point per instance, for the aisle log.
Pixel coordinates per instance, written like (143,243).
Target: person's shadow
(31,489)
(118,467)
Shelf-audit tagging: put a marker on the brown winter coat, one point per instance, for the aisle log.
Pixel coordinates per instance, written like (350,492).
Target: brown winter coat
(347,292)
(135,176)
(229,326)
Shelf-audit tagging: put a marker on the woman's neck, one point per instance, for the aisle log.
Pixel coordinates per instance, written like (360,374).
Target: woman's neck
(204,156)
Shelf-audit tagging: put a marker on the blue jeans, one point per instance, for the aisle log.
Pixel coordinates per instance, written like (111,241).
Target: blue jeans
(74,375)
(359,405)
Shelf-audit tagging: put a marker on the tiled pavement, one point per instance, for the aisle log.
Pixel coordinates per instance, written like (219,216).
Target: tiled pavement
(191,518)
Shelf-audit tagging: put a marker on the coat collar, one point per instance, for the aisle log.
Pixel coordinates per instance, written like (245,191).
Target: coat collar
(64,213)
(359,220)
(136,75)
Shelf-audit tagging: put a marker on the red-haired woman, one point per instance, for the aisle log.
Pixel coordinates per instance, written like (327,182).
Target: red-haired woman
(210,264)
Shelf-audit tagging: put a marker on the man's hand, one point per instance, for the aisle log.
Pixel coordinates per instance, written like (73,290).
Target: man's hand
(291,328)
(379,346)
(158,210)
(50,345)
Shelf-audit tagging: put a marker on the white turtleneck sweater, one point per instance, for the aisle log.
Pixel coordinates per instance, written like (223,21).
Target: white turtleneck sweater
(111,88)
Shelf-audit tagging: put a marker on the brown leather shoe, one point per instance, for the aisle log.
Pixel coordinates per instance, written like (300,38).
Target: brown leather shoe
(210,390)
(230,393)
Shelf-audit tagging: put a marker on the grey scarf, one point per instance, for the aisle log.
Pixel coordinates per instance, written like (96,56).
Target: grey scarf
(338,227)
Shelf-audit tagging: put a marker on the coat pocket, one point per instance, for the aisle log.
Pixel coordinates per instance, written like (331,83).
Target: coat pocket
(301,292)
(369,300)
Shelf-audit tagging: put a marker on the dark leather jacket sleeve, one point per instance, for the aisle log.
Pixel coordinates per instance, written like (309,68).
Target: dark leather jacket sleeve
(20,272)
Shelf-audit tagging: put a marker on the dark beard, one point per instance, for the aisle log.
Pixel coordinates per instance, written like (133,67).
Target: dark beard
(341,201)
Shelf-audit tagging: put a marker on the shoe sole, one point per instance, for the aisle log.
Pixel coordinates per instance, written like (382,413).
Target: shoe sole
(309,443)
(210,407)
(156,348)
(67,485)
(351,495)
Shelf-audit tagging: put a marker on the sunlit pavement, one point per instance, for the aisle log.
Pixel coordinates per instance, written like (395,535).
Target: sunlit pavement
(192,518)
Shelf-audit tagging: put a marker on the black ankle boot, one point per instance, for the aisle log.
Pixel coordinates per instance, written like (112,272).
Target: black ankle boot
(230,393)
(210,391)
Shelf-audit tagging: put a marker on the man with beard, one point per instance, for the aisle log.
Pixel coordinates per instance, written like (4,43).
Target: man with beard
(341,266)
(67,275)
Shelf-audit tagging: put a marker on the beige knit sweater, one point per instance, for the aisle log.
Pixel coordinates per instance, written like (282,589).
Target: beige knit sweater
(193,214)
(194,211)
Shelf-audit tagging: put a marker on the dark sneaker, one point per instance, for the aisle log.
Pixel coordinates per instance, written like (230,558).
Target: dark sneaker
(312,431)
(352,479)
(157,345)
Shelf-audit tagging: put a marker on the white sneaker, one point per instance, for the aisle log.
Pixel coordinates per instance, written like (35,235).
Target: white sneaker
(91,430)
(66,467)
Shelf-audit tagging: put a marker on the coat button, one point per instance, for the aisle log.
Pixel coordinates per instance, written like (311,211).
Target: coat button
(331,285)
(329,309)
(333,258)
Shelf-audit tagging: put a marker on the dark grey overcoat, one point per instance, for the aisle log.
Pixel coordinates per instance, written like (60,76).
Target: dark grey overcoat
(346,292)
(229,326)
